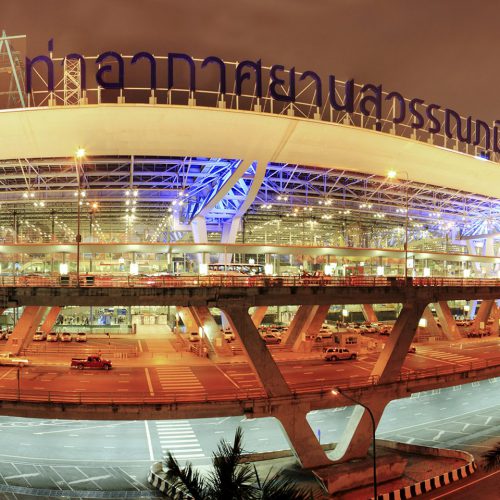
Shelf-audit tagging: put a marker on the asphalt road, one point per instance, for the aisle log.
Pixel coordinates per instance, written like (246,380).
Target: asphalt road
(102,455)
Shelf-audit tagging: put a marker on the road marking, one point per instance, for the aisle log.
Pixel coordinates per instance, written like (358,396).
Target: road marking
(95,478)
(150,385)
(438,435)
(115,424)
(32,474)
(487,421)
(461,415)
(140,346)
(148,437)
(465,427)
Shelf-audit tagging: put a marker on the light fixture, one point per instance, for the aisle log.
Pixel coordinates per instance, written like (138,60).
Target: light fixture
(134,268)
(268,269)
(63,268)
(80,153)
(422,322)
(392,174)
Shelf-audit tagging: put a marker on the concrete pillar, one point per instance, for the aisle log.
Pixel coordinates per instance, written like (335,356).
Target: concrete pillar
(448,325)
(211,329)
(357,437)
(299,324)
(317,320)
(24,329)
(187,318)
(495,315)
(483,313)
(432,326)
(257,353)
(301,437)
(50,319)
(369,313)
(390,361)
(258,315)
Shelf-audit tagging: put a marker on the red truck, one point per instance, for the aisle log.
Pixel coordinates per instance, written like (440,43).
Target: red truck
(91,362)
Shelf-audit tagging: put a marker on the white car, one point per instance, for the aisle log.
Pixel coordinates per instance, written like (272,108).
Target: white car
(336,353)
(8,359)
(52,337)
(81,337)
(229,336)
(66,337)
(39,335)
(194,337)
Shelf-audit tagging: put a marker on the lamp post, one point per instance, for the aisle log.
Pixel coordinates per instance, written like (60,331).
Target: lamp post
(392,174)
(80,153)
(338,391)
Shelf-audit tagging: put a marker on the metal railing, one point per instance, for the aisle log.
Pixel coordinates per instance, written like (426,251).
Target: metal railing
(196,281)
(306,390)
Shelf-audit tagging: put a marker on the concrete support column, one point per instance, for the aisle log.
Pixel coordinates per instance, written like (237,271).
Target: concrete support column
(483,313)
(318,319)
(369,313)
(50,319)
(300,323)
(24,329)
(448,325)
(472,310)
(495,315)
(301,437)
(432,326)
(357,437)
(258,315)
(257,353)
(205,320)
(390,361)
(187,318)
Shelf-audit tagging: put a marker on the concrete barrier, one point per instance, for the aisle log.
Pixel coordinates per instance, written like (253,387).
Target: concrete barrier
(432,483)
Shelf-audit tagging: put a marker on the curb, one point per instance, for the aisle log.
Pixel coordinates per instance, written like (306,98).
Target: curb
(435,482)
(157,481)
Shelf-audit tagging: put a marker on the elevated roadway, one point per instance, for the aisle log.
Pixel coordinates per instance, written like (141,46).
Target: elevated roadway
(215,291)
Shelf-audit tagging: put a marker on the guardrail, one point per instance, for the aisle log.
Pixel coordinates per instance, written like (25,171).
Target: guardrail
(309,390)
(196,281)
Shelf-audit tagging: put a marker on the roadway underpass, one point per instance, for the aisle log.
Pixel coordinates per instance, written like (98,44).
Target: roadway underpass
(91,455)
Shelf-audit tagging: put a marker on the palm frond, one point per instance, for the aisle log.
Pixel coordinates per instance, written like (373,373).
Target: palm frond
(491,458)
(185,479)
(280,487)
(230,478)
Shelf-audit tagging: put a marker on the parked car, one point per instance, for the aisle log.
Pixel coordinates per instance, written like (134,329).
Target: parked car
(336,353)
(270,338)
(412,349)
(81,337)
(40,335)
(3,335)
(229,336)
(52,337)
(194,337)
(66,337)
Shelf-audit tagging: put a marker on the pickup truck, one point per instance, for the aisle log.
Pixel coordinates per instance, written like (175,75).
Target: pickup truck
(9,359)
(91,362)
(336,353)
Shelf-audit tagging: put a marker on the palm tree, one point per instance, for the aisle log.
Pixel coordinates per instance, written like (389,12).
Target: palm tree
(491,459)
(230,479)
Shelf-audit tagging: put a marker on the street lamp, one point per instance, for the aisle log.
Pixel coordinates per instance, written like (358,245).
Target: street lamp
(392,174)
(80,153)
(338,391)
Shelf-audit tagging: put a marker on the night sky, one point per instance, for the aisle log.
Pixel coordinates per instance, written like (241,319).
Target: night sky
(444,51)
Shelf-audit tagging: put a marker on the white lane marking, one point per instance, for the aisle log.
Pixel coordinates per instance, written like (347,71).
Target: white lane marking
(140,346)
(488,420)
(148,379)
(227,376)
(438,435)
(148,438)
(95,478)
(32,474)
(410,440)
(465,427)
(461,415)
(116,424)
